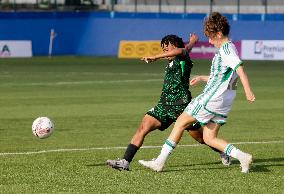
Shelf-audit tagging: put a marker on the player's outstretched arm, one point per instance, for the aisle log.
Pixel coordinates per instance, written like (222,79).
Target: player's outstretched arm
(200,78)
(245,82)
(193,39)
(175,52)
(172,53)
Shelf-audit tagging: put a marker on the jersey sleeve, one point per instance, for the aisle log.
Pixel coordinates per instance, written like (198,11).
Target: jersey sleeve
(185,52)
(230,56)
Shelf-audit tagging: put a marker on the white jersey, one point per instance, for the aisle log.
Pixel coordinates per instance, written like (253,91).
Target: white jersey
(215,102)
(222,74)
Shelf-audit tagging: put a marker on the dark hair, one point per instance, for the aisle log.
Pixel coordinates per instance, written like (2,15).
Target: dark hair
(216,23)
(172,39)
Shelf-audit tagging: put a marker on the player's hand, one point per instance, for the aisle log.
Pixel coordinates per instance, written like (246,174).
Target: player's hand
(148,59)
(250,96)
(194,81)
(193,38)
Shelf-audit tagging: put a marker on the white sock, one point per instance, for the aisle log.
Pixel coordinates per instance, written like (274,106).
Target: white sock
(166,151)
(231,150)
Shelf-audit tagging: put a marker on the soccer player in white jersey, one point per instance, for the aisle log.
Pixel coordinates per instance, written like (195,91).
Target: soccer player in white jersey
(212,106)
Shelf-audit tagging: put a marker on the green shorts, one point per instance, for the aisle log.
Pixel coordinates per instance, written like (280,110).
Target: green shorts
(166,114)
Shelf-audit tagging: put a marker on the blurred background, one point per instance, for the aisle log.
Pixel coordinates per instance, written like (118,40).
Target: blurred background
(97,27)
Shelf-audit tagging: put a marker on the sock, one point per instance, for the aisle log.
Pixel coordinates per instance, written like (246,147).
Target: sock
(130,152)
(231,150)
(166,151)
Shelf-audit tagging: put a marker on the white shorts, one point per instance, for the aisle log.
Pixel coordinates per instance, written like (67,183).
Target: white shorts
(215,110)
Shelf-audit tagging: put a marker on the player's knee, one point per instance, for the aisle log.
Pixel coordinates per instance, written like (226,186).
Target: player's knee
(208,139)
(144,129)
(180,126)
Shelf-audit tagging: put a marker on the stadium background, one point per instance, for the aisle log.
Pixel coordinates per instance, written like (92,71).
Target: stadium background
(98,32)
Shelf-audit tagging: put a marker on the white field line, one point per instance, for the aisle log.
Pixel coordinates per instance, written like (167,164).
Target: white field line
(78,82)
(113,148)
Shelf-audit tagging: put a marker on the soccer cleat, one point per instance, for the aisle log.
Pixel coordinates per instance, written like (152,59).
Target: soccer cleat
(245,161)
(119,164)
(226,160)
(152,165)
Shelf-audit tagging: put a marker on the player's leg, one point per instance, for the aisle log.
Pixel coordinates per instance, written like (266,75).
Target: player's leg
(196,132)
(155,118)
(210,132)
(183,121)
(147,125)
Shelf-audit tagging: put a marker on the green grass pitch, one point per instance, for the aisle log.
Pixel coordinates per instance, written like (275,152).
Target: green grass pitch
(96,105)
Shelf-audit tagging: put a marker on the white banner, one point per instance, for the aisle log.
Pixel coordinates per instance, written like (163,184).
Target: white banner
(15,48)
(262,49)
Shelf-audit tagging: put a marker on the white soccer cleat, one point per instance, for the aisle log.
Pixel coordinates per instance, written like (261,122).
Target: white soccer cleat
(245,161)
(152,165)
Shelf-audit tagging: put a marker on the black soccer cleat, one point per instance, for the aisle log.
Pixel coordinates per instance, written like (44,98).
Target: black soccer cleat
(226,160)
(119,164)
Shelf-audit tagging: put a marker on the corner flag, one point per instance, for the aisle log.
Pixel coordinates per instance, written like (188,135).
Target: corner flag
(51,38)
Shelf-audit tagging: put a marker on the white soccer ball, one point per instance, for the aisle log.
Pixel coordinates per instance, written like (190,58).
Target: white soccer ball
(42,127)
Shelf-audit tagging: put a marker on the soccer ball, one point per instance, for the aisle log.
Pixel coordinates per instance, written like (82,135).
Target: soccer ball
(42,127)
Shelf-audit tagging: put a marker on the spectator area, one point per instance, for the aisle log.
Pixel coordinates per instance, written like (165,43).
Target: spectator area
(165,6)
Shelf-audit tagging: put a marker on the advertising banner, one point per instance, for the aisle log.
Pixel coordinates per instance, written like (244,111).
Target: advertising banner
(205,50)
(11,48)
(138,49)
(263,49)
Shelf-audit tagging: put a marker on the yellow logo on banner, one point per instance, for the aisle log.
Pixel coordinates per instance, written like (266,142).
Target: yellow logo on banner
(138,49)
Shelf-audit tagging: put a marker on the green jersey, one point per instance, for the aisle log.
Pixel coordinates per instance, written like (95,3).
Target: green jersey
(176,81)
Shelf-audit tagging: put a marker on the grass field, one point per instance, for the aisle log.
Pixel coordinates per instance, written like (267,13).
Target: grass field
(96,105)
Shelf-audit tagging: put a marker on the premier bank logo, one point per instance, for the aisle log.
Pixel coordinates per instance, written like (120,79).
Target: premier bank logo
(258,47)
(269,49)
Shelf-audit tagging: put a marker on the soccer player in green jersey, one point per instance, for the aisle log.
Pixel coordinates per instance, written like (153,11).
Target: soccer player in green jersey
(212,106)
(173,100)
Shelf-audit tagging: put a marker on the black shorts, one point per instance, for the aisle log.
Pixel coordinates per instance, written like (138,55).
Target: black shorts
(166,114)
